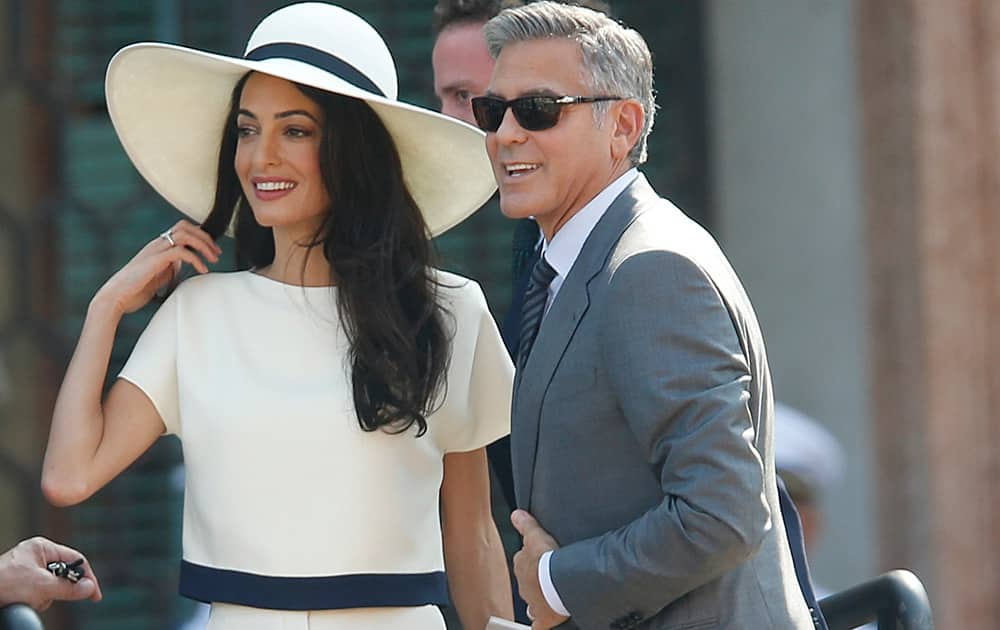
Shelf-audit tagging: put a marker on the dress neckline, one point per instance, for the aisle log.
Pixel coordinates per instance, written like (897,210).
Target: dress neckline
(266,280)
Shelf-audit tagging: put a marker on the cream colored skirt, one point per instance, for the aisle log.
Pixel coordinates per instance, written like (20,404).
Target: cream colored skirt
(232,617)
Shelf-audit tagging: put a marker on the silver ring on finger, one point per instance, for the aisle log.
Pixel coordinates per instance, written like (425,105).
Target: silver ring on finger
(168,237)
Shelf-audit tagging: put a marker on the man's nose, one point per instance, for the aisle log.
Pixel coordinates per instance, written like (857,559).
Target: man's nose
(510,131)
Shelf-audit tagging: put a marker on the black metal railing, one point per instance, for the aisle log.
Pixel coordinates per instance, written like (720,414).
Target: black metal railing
(19,617)
(895,601)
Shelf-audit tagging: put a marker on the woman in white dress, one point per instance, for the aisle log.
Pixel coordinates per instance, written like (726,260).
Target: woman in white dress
(329,394)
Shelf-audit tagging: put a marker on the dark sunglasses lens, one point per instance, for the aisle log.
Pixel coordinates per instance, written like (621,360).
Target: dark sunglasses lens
(533,113)
(536,113)
(488,112)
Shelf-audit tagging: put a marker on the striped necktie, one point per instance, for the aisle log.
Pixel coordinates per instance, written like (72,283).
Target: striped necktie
(534,307)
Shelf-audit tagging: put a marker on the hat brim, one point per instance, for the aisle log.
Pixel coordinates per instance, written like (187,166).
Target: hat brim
(168,105)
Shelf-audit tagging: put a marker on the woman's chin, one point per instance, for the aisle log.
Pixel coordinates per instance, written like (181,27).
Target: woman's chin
(264,219)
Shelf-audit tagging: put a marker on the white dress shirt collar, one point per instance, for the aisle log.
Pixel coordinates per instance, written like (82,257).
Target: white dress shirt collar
(565,246)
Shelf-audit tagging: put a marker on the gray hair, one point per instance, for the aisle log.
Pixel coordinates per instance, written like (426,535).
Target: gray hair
(616,59)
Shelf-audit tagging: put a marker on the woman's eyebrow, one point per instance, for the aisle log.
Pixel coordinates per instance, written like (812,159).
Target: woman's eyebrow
(285,114)
(296,112)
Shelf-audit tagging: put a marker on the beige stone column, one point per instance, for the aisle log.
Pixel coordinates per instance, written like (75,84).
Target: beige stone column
(930,91)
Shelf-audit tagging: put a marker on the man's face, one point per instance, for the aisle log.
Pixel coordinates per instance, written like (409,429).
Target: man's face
(548,174)
(462,68)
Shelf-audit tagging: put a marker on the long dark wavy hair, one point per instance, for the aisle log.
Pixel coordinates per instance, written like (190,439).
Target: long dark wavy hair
(375,240)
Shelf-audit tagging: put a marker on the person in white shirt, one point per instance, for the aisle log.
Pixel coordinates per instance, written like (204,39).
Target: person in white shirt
(642,415)
(332,390)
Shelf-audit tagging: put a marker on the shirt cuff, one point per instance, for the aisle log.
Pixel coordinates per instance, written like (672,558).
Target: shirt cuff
(548,588)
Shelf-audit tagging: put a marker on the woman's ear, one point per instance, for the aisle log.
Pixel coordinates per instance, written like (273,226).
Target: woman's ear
(628,121)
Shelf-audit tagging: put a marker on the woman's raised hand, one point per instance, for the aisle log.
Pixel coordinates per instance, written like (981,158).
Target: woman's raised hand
(156,265)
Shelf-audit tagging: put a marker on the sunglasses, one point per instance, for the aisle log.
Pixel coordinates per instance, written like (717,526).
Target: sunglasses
(533,113)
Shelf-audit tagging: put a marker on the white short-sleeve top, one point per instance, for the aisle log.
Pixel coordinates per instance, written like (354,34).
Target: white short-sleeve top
(288,502)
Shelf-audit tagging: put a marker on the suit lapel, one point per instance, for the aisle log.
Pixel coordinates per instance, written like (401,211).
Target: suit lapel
(557,330)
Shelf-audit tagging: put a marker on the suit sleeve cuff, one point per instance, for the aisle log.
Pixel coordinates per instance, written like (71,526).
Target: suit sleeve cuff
(548,588)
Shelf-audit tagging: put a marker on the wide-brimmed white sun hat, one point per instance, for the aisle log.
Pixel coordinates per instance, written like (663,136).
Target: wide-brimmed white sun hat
(169,104)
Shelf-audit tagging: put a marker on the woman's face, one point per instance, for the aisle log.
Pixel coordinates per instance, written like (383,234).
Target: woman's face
(277,155)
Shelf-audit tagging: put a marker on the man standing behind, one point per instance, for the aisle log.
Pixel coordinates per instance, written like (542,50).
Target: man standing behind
(462,64)
(462,69)
(642,418)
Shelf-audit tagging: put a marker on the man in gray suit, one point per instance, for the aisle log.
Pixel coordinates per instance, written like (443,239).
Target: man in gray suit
(642,421)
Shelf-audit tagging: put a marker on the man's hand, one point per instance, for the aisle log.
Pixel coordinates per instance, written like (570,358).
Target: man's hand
(25,579)
(536,541)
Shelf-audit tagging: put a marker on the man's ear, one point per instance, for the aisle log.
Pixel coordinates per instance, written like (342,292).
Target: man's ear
(628,120)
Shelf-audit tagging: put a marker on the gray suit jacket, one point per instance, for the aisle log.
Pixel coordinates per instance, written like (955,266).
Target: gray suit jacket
(641,435)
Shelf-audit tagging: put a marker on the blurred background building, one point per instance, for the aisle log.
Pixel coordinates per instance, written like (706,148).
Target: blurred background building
(845,153)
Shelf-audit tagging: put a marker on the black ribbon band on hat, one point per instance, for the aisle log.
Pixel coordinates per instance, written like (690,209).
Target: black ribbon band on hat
(316,57)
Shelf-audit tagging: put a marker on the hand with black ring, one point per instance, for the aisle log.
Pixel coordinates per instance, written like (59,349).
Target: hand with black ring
(26,579)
